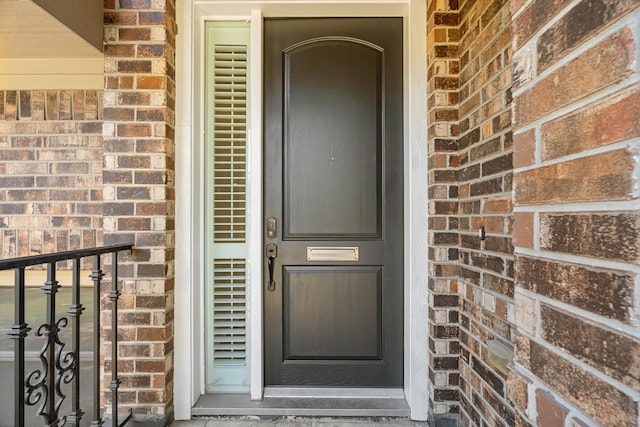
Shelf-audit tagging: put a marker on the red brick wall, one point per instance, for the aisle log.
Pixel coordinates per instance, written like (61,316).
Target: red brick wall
(50,171)
(485,183)
(442,73)
(139,103)
(470,164)
(577,228)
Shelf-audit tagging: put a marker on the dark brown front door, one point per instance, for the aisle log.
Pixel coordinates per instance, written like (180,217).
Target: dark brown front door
(333,202)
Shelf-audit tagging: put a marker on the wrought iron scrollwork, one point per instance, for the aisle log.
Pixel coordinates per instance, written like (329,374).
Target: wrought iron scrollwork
(45,386)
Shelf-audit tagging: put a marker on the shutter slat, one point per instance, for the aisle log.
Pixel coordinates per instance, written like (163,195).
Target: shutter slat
(229,141)
(229,311)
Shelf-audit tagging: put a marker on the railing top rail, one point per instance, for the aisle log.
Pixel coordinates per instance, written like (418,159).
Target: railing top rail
(7,264)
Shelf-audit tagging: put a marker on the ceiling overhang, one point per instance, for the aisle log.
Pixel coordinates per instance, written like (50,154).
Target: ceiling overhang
(51,38)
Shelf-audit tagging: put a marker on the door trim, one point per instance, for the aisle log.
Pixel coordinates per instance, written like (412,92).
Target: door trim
(189,310)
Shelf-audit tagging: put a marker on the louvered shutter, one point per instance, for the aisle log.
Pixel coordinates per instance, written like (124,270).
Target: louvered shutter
(226,170)
(229,312)
(230,142)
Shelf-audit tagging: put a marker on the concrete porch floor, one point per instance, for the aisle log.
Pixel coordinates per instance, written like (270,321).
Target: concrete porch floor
(297,422)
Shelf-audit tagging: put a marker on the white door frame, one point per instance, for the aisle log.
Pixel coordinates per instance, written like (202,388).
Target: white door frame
(189,311)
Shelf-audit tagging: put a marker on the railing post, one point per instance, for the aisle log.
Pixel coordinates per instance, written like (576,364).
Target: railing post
(50,288)
(115,381)
(75,311)
(19,332)
(96,275)
(114,295)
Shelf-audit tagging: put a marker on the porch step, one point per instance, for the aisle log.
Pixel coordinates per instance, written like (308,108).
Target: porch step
(241,404)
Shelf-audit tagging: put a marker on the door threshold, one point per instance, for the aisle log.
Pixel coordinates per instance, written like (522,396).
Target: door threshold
(303,406)
(335,393)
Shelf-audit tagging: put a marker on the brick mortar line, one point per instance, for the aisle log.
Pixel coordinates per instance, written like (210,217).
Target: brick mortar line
(485,159)
(476,198)
(629,330)
(628,143)
(483,251)
(603,206)
(582,261)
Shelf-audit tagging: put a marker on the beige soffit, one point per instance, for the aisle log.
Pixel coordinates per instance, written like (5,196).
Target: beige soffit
(47,44)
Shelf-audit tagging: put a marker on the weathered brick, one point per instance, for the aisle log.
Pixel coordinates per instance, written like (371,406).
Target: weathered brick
(445,363)
(150,82)
(606,176)
(119,18)
(150,301)
(134,381)
(152,239)
(609,121)
(486,148)
(576,25)
(524,149)
(134,34)
(488,375)
(117,177)
(608,235)
(518,389)
(600,66)
(604,292)
(150,365)
(135,4)
(598,399)
(134,130)
(150,146)
(124,193)
(157,208)
(523,229)
(498,284)
(137,66)
(499,165)
(24,107)
(534,17)
(11,105)
(149,396)
(134,162)
(151,18)
(611,352)
(151,334)
(490,186)
(526,316)
(151,115)
(17,155)
(134,224)
(150,51)
(550,412)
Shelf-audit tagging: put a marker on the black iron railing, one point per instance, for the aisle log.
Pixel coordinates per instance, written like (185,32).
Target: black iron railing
(42,387)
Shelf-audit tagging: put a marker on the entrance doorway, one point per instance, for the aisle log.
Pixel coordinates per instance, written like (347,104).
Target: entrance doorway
(333,202)
(190,301)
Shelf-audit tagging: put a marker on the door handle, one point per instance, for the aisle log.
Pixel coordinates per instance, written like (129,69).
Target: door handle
(272,253)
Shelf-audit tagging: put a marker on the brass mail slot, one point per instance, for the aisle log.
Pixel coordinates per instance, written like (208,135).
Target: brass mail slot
(323,253)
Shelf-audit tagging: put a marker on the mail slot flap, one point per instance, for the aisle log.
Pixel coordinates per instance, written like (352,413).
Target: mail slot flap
(323,253)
